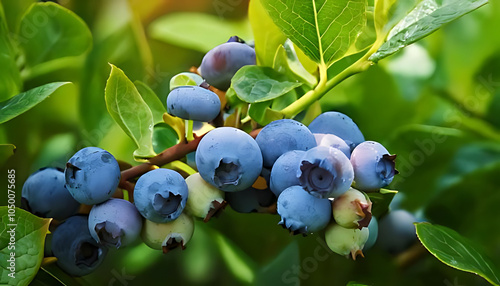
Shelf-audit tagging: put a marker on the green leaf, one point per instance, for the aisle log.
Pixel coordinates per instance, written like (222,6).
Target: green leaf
(152,100)
(6,150)
(30,232)
(26,100)
(267,36)
(381,15)
(277,269)
(238,262)
(426,18)
(130,111)
(323,29)
(258,84)
(59,33)
(287,62)
(185,78)
(352,283)
(198,31)
(456,251)
(14,11)
(381,201)
(164,137)
(10,79)
(262,113)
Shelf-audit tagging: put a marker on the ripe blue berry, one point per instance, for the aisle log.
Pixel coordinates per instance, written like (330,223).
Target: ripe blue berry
(281,136)
(221,63)
(339,124)
(44,195)
(397,231)
(115,222)
(325,172)
(92,175)
(250,200)
(373,166)
(229,159)
(169,235)
(284,171)
(334,141)
(76,251)
(193,103)
(160,195)
(302,213)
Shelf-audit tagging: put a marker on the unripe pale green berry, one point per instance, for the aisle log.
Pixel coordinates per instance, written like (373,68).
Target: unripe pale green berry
(204,200)
(170,235)
(353,209)
(185,78)
(345,241)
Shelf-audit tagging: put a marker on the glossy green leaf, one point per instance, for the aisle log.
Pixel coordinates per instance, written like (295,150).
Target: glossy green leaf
(14,11)
(381,201)
(164,137)
(185,78)
(27,100)
(258,84)
(426,18)
(323,29)
(130,112)
(267,36)
(456,251)
(262,113)
(10,80)
(280,268)
(6,150)
(49,31)
(26,247)
(152,100)
(197,31)
(287,62)
(238,262)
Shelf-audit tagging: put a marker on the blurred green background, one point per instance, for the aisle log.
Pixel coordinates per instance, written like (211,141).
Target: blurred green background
(436,104)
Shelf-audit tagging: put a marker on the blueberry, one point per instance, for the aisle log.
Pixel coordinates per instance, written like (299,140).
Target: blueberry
(160,195)
(115,222)
(193,103)
(221,63)
(346,241)
(229,159)
(372,237)
(170,235)
(284,171)
(281,136)
(302,213)
(44,195)
(251,200)
(397,231)
(334,141)
(373,166)
(76,251)
(353,209)
(92,175)
(339,124)
(204,200)
(325,172)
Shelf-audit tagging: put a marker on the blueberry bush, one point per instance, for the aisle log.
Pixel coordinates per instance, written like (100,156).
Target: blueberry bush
(257,142)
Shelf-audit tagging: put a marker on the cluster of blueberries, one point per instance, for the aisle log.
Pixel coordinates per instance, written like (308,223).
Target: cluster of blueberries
(316,177)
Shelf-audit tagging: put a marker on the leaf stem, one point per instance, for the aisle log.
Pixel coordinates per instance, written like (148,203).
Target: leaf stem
(324,86)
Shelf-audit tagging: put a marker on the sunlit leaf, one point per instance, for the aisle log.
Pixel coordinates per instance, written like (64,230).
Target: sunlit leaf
(381,201)
(27,100)
(152,100)
(130,112)
(323,29)
(426,18)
